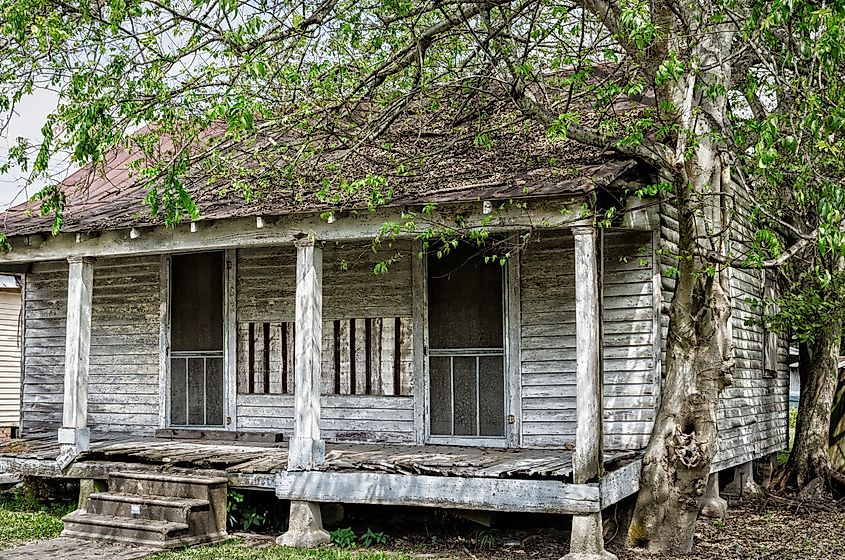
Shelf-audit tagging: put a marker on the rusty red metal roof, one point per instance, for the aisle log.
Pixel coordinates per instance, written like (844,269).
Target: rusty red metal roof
(516,163)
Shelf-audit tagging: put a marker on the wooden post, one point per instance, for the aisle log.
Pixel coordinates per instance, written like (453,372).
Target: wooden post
(74,434)
(587,540)
(420,321)
(307,449)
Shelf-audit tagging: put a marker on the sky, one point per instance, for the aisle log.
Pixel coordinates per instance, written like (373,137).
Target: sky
(31,113)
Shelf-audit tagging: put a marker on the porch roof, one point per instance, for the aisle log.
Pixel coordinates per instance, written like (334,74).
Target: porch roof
(518,163)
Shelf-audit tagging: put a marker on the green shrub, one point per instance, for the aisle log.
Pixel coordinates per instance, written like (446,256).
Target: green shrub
(344,538)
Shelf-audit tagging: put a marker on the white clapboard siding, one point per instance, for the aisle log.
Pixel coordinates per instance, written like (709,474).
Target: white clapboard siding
(123,371)
(548,352)
(753,411)
(10,358)
(123,387)
(351,290)
(342,417)
(44,347)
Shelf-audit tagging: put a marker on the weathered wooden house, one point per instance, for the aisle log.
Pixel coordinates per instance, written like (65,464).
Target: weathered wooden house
(258,344)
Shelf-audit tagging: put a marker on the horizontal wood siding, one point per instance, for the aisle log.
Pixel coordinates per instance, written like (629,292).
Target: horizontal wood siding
(10,358)
(628,329)
(342,417)
(123,371)
(753,411)
(44,347)
(548,351)
(123,393)
(351,290)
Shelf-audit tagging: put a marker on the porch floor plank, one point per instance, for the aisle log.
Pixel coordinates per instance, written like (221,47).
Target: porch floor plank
(238,457)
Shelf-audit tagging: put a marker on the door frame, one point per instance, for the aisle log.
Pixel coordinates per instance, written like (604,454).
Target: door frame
(229,342)
(510,348)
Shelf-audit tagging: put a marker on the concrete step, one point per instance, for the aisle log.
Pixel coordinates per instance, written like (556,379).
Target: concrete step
(133,506)
(140,532)
(168,485)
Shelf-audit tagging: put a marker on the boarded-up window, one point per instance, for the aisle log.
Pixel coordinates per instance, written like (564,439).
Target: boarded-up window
(362,356)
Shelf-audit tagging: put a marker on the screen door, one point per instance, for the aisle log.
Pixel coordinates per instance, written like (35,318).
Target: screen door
(466,355)
(196,339)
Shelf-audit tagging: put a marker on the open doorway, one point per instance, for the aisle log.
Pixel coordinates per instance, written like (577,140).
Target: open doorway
(466,347)
(196,340)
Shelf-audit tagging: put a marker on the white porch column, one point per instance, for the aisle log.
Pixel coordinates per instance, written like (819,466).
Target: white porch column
(587,540)
(307,449)
(74,434)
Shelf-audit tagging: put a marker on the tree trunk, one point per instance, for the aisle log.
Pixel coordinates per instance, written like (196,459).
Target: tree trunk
(837,426)
(699,352)
(809,457)
(677,461)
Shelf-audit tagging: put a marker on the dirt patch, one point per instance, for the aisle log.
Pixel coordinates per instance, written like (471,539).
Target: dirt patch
(763,529)
(752,530)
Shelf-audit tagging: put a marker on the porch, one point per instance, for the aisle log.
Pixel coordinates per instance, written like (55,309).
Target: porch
(527,480)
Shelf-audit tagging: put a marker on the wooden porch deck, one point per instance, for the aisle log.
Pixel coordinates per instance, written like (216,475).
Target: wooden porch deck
(243,462)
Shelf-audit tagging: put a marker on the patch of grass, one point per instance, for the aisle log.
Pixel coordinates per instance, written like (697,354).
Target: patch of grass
(234,550)
(20,527)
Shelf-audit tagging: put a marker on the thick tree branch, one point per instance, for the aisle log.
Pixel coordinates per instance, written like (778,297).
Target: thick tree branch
(797,247)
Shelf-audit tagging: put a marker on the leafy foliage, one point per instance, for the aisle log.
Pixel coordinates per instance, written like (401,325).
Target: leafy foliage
(370,538)
(344,538)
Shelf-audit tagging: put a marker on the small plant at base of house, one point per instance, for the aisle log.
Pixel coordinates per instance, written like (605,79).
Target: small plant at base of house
(486,538)
(343,538)
(370,538)
(242,514)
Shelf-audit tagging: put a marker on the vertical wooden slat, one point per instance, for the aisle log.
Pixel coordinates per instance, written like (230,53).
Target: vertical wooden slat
(385,354)
(368,352)
(352,357)
(275,358)
(377,384)
(407,356)
(360,357)
(284,344)
(292,358)
(243,361)
(266,328)
(327,359)
(251,358)
(397,356)
(336,355)
(345,358)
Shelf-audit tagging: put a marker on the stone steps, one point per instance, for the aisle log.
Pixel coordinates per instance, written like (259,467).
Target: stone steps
(141,532)
(154,510)
(177,510)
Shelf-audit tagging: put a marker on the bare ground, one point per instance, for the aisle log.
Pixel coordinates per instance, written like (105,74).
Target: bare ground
(753,530)
(764,529)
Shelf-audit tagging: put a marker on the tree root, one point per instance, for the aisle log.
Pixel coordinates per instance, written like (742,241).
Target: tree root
(817,495)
